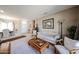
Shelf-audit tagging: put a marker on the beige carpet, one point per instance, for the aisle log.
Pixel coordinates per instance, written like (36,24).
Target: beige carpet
(21,47)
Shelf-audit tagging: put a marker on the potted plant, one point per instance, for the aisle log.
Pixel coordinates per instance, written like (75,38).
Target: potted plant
(71,31)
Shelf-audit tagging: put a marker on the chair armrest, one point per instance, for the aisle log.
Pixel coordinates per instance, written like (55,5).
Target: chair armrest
(60,41)
(61,49)
(73,51)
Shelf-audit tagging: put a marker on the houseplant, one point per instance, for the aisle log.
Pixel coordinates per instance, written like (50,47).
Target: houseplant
(71,31)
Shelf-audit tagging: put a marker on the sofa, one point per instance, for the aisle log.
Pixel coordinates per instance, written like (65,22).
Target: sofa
(5,44)
(51,38)
(70,47)
(5,48)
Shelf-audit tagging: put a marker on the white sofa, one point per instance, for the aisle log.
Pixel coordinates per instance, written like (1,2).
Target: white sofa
(5,46)
(70,46)
(48,37)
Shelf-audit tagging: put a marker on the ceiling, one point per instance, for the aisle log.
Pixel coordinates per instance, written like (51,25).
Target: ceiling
(32,11)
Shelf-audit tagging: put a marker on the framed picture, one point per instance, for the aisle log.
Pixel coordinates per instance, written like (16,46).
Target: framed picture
(48,23)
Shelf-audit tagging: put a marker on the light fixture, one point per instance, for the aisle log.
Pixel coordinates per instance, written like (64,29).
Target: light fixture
(61,27)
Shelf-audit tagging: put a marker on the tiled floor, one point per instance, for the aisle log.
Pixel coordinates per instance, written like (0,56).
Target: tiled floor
(21,47)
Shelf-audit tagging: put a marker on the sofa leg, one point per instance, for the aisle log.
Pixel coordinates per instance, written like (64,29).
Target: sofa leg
(56,51)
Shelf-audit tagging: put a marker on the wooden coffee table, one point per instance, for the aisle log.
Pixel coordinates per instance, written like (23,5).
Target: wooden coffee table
(38,44)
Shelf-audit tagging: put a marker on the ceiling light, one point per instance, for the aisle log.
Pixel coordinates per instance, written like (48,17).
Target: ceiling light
(1,11)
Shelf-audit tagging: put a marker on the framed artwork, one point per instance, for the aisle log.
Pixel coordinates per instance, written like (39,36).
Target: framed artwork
(48,23)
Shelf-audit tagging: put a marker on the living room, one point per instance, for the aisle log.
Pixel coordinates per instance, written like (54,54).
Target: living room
(47,24)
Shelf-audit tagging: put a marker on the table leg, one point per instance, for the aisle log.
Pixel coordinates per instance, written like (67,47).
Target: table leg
(48,46)
(40,52)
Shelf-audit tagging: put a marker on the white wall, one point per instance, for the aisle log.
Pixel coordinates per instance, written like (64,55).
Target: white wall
(69,17)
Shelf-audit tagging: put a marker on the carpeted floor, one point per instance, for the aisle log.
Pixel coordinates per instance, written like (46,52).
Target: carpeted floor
(21,47)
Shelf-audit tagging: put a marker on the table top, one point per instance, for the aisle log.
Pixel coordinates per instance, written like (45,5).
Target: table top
(38,42)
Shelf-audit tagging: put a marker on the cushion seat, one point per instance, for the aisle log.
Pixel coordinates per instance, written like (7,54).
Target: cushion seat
(70,46)
(52,38)
(61,49)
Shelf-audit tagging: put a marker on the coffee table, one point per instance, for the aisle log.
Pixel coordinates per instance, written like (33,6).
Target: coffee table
(38,44)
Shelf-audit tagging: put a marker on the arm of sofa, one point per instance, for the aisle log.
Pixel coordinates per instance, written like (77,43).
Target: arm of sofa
(60,42)
(61,49)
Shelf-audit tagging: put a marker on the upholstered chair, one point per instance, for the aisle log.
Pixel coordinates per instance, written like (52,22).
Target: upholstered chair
(70,47)
(6,33)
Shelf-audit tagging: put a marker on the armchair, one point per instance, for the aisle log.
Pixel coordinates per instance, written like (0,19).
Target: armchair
(70,47)
(6,33)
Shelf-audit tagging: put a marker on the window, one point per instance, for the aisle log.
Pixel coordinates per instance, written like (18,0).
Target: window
(10,26)
(23,26)
(4,25)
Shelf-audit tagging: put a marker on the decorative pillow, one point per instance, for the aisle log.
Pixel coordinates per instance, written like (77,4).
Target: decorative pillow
(71,44)
(68,43)
(76,44)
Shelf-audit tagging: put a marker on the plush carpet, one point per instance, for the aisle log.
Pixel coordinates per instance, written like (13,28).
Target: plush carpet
(21,47)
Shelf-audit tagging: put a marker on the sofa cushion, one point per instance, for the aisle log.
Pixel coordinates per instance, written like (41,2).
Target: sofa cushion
(47,37)
(61,49)
(70,44)
(46,32)
(76,44)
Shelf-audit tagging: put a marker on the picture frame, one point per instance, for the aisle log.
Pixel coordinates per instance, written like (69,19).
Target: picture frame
(48,23)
